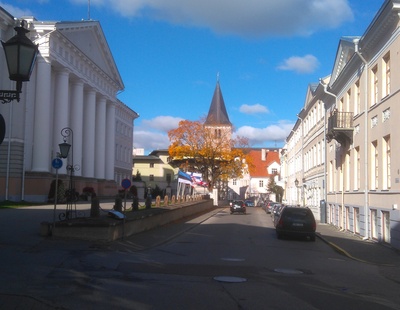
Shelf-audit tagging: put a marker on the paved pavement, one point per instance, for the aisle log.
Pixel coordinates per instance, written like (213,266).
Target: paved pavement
(347,244)
(352,246)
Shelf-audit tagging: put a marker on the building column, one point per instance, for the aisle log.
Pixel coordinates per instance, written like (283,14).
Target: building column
(89,115)
(41,154)
(77,122)
(100,159)
(61,112)
(110,141)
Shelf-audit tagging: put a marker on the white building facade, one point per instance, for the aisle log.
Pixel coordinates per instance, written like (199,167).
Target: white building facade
(74,85)
(355,168)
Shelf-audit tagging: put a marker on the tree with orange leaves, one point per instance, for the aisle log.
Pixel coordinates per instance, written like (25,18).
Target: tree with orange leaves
(195,148)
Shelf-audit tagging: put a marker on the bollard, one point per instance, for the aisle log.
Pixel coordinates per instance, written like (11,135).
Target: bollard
(148,202)
(95,208)
(118,204)
(135,203)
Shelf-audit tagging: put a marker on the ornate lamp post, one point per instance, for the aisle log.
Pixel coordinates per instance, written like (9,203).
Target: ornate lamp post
(296,182)
(64,152)
(20,55)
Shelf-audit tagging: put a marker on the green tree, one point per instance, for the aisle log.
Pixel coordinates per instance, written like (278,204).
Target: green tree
(276,189)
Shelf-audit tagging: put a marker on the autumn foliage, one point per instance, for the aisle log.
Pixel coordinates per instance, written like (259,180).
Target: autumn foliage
(208,150)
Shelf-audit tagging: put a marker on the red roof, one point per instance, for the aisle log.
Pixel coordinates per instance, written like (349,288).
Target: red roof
(260,166)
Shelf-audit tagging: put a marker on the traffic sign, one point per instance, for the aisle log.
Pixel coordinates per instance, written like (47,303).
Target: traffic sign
(126,183)
(57,163)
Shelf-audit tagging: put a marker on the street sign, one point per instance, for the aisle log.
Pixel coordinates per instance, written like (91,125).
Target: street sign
(126,183)
(57,163)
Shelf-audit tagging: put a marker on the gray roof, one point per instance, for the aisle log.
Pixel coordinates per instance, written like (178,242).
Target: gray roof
(217,114)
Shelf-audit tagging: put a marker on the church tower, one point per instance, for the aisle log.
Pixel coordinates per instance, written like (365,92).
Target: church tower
(217,119)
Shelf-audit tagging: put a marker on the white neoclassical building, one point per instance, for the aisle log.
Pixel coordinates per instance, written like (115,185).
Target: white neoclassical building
(74,85)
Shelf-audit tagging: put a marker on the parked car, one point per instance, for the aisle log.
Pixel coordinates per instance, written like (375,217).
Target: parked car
(270,206)
(238,206)
(276,212)
(249,203)
(296,222)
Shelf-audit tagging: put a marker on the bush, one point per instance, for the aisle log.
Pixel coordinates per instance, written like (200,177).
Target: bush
(88,190)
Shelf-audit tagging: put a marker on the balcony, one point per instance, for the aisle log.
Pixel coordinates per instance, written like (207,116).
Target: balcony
(340,127)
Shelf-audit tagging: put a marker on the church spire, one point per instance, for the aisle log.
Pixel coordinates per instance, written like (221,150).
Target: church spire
(217,115)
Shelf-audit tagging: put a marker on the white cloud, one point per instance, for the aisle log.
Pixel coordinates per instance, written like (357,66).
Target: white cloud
(260,136)
(151,134)
(15,11)
(162,123)
(245,18)
(253,109)
(306,64)
(149,140)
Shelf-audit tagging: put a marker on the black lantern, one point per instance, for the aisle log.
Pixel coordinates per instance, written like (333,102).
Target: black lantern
(20,55)
(296,183)
(64,149)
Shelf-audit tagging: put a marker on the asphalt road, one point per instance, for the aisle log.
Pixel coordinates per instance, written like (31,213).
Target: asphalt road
(216,261)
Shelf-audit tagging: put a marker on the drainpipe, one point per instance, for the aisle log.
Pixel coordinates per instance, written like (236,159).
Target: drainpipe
(302,160)
(366,207)
(325,156)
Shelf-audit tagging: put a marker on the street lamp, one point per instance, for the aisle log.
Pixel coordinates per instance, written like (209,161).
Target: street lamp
(20,55)
(64,152)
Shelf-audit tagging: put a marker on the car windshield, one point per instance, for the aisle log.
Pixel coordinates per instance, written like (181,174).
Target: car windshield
(297,213)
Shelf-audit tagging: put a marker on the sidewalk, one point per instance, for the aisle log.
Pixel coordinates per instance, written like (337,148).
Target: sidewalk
(354,247)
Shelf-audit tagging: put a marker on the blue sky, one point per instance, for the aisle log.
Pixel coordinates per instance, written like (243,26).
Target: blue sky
(169,53)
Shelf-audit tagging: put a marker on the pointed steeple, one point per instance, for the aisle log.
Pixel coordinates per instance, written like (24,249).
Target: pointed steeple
(217,114)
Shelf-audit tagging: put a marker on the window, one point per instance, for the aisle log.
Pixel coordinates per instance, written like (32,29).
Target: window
(330,175)
(234,182)
(357,100)
(374,224)
(274,171)
(357,168)
(151,177)
(386,68)
(151,165)
(261,183)
(347,172)
(374,86)
(348,100)
(356,220)
(386,226)
(168,177)
(374,165)
(386,162)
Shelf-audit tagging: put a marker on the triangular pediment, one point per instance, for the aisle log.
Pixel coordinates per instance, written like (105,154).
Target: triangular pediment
(344,52)
(88,37)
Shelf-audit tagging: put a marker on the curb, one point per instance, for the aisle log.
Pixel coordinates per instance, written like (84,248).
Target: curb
(347,254)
